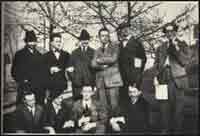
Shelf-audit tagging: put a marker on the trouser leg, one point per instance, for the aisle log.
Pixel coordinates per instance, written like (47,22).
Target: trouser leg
(114,99)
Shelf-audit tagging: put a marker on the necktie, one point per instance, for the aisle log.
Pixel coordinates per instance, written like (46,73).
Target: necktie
(103,49)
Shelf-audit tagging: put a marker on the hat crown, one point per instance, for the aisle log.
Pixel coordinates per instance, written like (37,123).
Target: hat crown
(84,35)
(30,36)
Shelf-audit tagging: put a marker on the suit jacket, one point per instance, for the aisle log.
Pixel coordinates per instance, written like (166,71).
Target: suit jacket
(56,120)
(83,72)
(110,75)
(137,116)
(98,112)
(178,61)
(27,122)
(28,66)
(133,49)
(57,81)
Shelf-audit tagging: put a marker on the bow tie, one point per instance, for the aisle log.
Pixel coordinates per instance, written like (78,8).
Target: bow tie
(57,50)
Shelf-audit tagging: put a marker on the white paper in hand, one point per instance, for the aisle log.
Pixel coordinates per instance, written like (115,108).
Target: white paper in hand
(138,62)
(161,92)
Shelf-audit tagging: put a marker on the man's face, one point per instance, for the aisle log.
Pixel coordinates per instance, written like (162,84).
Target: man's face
(104,37)
(84,43)
(56,43)
(133,92)
(87,92)
(32,44)
(170,34)
(124,33)
(30,100)
(58,100)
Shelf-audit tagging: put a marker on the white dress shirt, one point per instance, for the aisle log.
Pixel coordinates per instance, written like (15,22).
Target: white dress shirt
(88,103)
(31,109)
(126,40)
(57,54)
(56,107)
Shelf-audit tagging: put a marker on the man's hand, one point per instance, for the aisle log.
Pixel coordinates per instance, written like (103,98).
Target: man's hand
(70,69)
(115,126)
(155,81)
(83,120)
(50,129)
(120,119)
(54,69)
(88,126)
(68,124)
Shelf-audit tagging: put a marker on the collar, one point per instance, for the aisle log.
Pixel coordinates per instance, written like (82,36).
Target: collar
(133,101)
(106,45)
(82,48)
(31,109)
(128,37)
(31,50)
(88,102)
(56,107)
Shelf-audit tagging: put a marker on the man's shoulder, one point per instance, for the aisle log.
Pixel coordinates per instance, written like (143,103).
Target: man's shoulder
(75,51)
(21,51)
(20,107)
(77,104)
(65,52)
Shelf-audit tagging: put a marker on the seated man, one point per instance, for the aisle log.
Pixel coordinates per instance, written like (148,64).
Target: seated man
(136,114)
(57,117)
(29,115)
(89,114)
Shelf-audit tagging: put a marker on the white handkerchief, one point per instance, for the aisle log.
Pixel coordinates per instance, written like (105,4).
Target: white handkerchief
(138,62)
(161,92)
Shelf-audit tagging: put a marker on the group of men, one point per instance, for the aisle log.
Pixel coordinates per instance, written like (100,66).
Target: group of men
(106,84)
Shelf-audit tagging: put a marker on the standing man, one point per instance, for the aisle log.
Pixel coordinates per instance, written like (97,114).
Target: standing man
(132,60)
(170,62)
(81,58)
(28,68)
(57,62)
(108,78)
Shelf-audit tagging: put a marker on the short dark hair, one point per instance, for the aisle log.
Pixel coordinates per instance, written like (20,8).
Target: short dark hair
(173,25)
(103,29)
(54,35)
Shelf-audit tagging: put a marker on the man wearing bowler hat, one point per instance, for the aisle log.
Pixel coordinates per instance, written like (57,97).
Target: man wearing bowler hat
(171,59)
(57,66)
(81,59)
(27,67)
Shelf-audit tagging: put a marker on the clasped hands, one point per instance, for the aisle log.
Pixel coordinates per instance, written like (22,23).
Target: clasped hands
(55,69)
(114,122)
(85,124)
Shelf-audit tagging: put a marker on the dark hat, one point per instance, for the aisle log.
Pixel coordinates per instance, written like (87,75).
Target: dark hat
(170,27)
(30,36)
(84,35)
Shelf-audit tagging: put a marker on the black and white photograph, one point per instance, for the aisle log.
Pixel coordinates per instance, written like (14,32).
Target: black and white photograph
(99,67)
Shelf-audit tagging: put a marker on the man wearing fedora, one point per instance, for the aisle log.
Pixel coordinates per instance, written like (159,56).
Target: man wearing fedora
(171,59)
(27,68)
(81,59)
